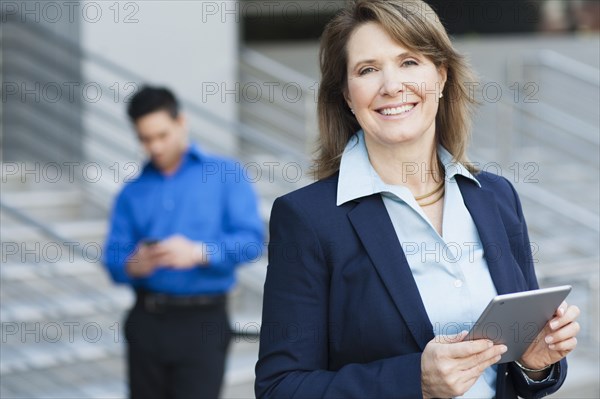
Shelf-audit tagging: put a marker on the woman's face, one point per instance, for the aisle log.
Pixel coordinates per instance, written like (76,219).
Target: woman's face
(393,91)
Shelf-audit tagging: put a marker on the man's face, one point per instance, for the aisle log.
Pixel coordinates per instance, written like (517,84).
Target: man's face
(164,139)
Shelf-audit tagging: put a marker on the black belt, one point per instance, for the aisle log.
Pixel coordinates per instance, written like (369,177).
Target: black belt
(158,302)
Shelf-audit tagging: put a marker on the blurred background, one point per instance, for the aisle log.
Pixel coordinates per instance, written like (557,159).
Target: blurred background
(247,72)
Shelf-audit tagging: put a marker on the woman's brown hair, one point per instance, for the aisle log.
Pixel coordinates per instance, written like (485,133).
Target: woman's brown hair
(416,26)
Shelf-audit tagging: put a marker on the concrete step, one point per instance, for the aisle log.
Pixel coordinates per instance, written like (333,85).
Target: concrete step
(84,230)
(584,276)
(262,116)
(31,291)
(8,219)
(28,176)
(25,244)
(585,268)
(238,391)
(21,233)
(558,237)
(246,299)
(103,378)
(30,271)
(97,369)
(61,297)
(239,375)
(63,204)
(35,199)
(531,164)
(46,344)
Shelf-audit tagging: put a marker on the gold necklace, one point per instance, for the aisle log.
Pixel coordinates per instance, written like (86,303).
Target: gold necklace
(435,190)
(439,190)
(439,197)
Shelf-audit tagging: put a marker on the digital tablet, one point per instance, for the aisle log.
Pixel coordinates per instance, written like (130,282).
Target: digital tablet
(516,319)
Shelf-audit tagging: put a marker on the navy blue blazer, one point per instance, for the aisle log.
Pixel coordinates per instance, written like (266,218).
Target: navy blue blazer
(342,314)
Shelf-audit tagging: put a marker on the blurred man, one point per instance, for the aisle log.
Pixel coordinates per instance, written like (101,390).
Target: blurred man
(177,233)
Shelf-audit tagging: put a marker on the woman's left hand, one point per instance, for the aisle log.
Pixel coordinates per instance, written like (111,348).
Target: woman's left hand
(555,340)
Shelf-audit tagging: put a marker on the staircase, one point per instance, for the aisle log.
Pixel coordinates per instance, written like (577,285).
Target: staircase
(60,313)
(61,316)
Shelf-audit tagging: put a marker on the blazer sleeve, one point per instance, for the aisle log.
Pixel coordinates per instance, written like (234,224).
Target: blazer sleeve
(294,351)
(524,388)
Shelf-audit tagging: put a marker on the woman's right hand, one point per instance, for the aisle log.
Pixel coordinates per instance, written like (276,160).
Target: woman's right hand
(449,366)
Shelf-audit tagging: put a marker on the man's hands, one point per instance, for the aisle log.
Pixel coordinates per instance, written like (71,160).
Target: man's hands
(555,341)
(176,252)
(449,367)
(180,253)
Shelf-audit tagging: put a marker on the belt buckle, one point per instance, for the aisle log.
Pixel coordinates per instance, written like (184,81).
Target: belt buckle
(156,303)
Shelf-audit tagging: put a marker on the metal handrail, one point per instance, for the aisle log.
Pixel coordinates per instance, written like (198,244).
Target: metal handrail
(568,66)
(241,129)
(44,228)
(254,64)
(567,124)
(561,206)
(274,68)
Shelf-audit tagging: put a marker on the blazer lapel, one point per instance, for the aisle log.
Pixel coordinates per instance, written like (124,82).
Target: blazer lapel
(374,228)
(484,211)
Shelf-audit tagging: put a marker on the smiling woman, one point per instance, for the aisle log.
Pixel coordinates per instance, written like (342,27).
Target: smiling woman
(362,300)
(415,30)
(394,94)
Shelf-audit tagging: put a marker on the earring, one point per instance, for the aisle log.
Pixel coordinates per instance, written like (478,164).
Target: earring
(441,95)
(352,110)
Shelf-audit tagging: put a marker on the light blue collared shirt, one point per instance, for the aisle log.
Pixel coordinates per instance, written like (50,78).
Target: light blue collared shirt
(450,270)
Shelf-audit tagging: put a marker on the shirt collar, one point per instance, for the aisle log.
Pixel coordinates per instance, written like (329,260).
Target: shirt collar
(193,152)
(452,167)
(358,179)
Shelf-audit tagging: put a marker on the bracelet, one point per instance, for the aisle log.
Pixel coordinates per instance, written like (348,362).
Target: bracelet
(532,370)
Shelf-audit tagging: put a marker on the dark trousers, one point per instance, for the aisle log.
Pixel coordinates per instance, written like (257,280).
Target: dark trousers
(177,352)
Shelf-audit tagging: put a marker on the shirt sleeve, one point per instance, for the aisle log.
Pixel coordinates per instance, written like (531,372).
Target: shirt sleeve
(120,242)
(528,388)
(550,378)
(241,239)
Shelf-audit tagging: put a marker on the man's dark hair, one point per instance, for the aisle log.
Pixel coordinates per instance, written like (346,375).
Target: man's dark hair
(151,99)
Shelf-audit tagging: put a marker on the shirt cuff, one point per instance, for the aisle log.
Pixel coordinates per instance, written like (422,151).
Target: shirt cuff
(201,253)
(551,377)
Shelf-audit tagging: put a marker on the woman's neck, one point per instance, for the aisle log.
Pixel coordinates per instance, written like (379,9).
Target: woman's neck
(413,166)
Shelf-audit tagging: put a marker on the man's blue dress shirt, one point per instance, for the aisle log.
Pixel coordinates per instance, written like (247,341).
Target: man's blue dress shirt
(208,200)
